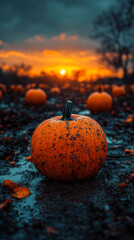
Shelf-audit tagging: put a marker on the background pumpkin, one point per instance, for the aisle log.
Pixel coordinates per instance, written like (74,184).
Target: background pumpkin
(3,88)
(35,96)
(72,147)
(0,95)
(132,88)
(99,102)
(118,91)
(12,88)
(55,90)
(19,89)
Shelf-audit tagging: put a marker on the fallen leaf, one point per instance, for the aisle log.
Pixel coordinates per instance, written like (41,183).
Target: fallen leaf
(130,116)
(122,185)
(51,230)
(4,204)
(132,177)
(13,162)
(127,109)
(20,192)
(10,183)
(127,162)
(29,159)
(8,158)
(129,120)
(129,152)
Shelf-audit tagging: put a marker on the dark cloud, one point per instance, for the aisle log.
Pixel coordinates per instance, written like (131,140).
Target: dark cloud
(20,20)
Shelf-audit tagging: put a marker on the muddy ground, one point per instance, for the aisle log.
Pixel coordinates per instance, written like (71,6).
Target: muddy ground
(93,209)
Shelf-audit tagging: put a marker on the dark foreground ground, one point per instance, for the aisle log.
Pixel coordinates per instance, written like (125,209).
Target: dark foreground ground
(93,209)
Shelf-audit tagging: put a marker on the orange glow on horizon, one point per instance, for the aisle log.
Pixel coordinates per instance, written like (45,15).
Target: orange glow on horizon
(81,64)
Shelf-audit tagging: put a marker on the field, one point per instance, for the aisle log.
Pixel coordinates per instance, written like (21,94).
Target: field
(101,207)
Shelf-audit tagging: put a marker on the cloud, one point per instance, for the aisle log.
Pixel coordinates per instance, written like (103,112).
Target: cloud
(20,20)
(50,52)
(63,37)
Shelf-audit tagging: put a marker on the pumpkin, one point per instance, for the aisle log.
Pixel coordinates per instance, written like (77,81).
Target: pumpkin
(19,89)
(66,86)
(42,85)
(12,87)
(99,102)
(82,90)
(69,147)
(106,87)
(3,88)
(0,95)
(55,90)
(35,96)
(30,85)
(118,91)
(132,88)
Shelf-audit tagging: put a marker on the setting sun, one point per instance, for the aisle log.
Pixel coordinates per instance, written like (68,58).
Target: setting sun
(62,72)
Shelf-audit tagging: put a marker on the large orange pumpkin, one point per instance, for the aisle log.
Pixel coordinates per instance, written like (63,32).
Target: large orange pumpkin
(99,102)
(118,91)
(69,147)
(35,96)
(0,95)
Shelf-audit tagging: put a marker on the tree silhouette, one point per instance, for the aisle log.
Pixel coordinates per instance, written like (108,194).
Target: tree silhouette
(114,29)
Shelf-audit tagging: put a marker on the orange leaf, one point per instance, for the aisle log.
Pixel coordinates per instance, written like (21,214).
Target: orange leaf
(13,162)
(127,162)
(129,151)
(51,230)
(122,184)
(29,159)
(10,183)
(129,120)
(132,177)
(4,204)
(20,192)
(8,158)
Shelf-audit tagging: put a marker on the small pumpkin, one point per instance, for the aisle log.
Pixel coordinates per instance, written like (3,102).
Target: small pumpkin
(55,90)
(106,87)
(132,88)
(0,95)
(19,89)
(118,91)
(30,85)
(43,85)
(66,86)
(99,102)
(69,147)
(3,88)
(12,88)
(35,96)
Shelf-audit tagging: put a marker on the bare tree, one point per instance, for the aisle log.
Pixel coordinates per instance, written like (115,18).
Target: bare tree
(114,29)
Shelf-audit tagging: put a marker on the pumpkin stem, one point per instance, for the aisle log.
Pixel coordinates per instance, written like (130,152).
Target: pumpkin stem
(67,111)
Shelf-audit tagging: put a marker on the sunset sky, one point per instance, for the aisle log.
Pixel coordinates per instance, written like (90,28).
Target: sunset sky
(51,35)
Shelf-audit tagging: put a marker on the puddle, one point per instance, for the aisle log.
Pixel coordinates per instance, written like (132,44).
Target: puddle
(84,112)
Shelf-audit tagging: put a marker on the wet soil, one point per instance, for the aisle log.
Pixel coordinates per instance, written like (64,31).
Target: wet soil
(97,208)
